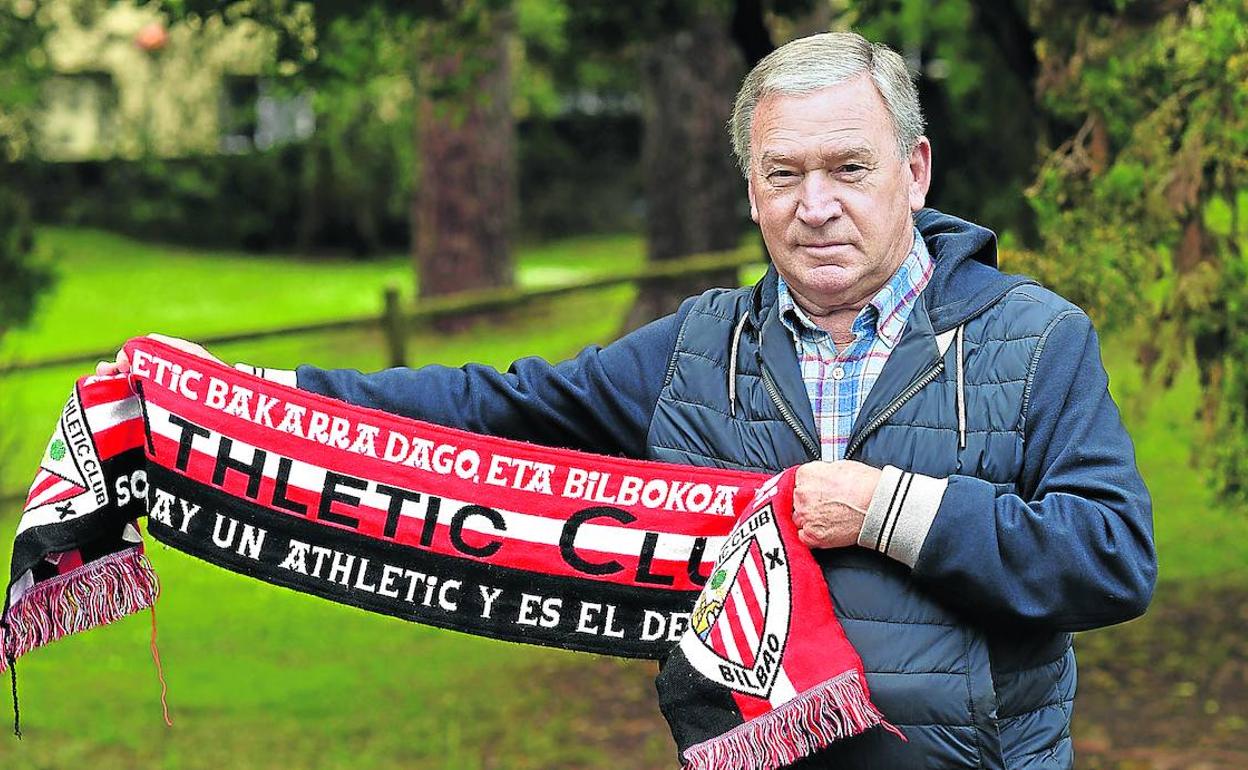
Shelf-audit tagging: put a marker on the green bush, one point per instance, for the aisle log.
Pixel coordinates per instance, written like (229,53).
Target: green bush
(21,278)
(578,174)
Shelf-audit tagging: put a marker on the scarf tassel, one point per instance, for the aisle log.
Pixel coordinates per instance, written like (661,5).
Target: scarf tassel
(94,594)
(835,709)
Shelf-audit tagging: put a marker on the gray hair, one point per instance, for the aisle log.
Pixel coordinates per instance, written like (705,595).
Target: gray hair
(812,63)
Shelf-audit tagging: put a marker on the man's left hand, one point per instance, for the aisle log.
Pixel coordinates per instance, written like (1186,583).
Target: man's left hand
(830,502)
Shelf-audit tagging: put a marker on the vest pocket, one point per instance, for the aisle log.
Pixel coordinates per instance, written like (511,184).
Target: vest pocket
(982,695)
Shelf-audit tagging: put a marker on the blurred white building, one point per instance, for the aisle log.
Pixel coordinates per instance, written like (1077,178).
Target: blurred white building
(126,85)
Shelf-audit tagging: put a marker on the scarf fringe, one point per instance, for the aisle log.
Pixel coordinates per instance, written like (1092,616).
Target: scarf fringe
(835,709)
(94,594)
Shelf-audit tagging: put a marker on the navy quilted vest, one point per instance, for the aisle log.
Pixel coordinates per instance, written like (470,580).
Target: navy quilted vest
(966,695)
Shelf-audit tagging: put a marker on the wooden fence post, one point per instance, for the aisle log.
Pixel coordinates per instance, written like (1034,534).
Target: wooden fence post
(393,327)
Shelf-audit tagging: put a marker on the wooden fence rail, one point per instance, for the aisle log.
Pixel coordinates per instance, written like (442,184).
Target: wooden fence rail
(396,322)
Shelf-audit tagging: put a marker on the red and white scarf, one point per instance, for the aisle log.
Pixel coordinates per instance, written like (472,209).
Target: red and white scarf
(698,567)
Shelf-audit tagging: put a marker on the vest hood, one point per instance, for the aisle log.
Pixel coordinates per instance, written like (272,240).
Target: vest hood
(966,280)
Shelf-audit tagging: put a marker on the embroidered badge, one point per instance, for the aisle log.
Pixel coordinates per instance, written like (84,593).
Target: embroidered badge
(741,619)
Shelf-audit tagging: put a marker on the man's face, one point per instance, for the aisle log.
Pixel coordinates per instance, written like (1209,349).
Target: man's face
(831,194)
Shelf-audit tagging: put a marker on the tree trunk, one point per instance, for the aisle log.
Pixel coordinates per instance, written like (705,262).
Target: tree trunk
(694,193)
(464,201)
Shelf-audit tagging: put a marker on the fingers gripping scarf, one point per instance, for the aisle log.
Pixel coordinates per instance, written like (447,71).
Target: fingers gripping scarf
(698,567)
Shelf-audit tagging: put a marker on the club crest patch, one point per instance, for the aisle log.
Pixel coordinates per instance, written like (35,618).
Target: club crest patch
(70,481)
(740,623)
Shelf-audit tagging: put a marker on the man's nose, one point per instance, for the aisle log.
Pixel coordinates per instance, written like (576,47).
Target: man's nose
(819,201)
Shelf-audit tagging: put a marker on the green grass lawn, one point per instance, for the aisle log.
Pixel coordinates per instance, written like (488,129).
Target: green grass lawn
(262,677)
(265,677)
(112,288)
(1197,537)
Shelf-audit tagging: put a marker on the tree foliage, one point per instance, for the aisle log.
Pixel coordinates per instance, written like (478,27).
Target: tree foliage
(361,156)
(22,67)
(1142,208)
(399,92)
(975,71)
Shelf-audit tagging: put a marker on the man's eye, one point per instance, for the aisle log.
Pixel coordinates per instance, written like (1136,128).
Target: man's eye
(853,168)
(781,176)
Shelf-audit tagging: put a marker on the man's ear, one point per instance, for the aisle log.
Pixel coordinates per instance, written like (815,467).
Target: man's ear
(749,191)
(920,168)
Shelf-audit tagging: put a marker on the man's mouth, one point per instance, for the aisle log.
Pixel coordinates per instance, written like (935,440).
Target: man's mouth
(823,245)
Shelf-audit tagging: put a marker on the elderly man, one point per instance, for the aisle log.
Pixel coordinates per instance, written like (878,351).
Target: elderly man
(966,481)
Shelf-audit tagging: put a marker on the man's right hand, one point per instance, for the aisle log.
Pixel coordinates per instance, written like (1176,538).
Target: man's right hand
(122,364)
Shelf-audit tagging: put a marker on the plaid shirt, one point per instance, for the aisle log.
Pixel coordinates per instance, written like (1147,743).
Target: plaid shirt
(837,382)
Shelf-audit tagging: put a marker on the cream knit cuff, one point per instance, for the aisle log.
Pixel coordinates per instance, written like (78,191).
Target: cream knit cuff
(901,513)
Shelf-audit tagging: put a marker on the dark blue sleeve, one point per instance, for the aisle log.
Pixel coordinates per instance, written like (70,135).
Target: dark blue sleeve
(600,401)
(1073,549)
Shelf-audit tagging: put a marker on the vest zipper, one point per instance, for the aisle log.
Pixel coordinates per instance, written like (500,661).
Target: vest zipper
(883,416)
(812,448)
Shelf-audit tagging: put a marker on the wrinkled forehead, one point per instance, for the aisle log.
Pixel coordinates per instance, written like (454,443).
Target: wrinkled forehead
(848,119)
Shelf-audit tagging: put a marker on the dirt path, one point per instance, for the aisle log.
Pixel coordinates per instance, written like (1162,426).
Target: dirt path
(1169,691)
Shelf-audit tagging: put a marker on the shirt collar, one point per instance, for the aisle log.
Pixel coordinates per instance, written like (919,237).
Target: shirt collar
(888,310)
(894,300)
(792,316)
